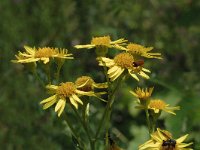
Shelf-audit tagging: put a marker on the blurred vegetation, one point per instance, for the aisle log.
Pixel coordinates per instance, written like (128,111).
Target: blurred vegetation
(172,27)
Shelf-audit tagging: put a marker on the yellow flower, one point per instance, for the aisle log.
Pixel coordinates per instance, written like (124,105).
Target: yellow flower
(162,140)
(65,92)
(158,105)
(140,50)
(122,62)
(86,83)
(41,54)
(103,41)
(142,94)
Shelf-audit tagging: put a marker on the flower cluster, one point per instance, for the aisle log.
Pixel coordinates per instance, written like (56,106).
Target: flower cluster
(155,106)
(122,62)
(70,92)
(128,61)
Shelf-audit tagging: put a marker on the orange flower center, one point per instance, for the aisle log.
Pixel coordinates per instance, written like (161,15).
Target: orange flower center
(135,48)
(98,41)
(45,52)
(157,104)
(124,60)
(66,89)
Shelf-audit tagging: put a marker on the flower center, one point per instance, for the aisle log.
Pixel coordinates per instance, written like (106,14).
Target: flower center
(135,48)
(104,40)
(85,83)
(158,104)
(124,60)
(66,89)
(45,52)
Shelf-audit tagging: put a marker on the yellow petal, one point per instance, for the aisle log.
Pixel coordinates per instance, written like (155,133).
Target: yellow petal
(119,41)
(133,75)
(73,102)
(146,70)
(88,46)
(28,60)
(181,139)
(61,108)
(106,60)
(119,47)
(113,69)
(90,93)
(83,84)
(75,97)
(52,87)
(116,74)
(59,104)
(100,85)
(183,145)
(29,50)
(48,99)
(133,93)
(103,61)
(45,60)
(144,75)
(50,103)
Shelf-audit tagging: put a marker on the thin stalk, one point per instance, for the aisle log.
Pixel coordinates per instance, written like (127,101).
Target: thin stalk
(39,79)
(73,131)
(107,78)
(154,121)
(58,73)
(84,127)
(148,121)
(48,72)
(108,106)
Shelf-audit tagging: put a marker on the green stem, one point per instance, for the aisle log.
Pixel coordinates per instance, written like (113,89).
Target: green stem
(84,127)
(39,79)
(73,131)
(148,121)
(48,72)
(154,121)
(58,73)
(108,107)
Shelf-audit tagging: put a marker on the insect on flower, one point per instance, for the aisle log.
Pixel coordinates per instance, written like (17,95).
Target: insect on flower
(169,144)
(138,63)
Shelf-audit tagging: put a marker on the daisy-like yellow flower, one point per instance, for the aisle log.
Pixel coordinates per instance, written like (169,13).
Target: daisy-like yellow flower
(143,96)
(162,140)
(65,92)
(136,49)
(142,93)
(103,41)
(86,83)
(41,54)
(158,105)
(122,62)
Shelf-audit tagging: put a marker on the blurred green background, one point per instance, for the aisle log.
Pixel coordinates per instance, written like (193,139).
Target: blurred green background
(172,27)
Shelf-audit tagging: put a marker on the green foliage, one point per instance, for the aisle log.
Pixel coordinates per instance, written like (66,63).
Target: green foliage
(172,27)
